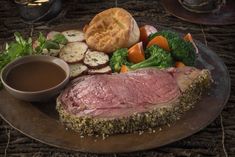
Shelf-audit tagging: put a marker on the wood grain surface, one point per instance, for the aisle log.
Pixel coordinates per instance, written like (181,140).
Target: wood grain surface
(218,139)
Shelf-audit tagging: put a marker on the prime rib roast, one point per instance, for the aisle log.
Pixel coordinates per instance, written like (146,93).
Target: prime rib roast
(130,102)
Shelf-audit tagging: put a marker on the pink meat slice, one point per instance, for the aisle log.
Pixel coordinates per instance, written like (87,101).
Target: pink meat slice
(120,95)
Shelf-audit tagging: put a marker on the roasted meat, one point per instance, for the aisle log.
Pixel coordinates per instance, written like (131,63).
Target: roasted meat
(134,101)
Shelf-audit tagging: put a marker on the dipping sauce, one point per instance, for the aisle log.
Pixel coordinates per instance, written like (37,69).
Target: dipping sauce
(35,76)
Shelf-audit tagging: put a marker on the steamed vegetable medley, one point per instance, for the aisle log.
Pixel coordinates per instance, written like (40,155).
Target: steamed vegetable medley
(159,49)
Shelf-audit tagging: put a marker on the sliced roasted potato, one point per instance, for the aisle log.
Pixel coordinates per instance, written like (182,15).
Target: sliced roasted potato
(95,59)
(74,35)
(73,52)
(105,70)
(77,70)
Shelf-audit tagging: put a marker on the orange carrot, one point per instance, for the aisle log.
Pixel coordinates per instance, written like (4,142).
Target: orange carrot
(188,37)
(179,64)
(145,31)
(159,41)
(124,69)
(136,53)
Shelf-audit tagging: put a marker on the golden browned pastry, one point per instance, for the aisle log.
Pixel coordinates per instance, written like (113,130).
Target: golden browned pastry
(112,29)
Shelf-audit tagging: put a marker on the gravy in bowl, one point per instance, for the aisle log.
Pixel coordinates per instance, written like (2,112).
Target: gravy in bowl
(35,76)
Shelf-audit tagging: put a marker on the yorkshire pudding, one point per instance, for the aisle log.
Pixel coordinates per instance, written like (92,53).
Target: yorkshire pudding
(112,29)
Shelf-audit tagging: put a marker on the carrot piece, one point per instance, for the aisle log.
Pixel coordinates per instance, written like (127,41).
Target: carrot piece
(124,69)
(179,64)
(188,37)
(145,31)
(136,53)
(159,41)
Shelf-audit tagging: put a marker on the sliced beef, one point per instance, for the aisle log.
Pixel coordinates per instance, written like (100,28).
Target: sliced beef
(118,95)
(118,103)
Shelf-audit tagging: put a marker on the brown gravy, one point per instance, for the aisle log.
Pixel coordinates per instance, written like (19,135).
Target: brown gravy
(35,76)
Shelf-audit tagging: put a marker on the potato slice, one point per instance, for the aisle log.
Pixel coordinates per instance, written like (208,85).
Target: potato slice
(73,52)
(95,59)
(105,70)
(74,35)
(77,69)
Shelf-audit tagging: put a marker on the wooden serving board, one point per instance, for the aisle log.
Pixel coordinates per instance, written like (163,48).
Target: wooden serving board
(40,120)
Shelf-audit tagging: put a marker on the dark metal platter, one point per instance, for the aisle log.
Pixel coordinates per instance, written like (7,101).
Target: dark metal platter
(225,16)
(40,120)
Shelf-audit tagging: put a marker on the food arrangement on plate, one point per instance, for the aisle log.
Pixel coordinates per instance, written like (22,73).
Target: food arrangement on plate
(124,79)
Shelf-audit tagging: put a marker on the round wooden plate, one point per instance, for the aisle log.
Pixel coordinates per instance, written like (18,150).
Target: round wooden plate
(40,120)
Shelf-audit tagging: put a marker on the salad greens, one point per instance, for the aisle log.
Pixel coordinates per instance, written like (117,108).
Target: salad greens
(43,43)
(60,39)
(20,47)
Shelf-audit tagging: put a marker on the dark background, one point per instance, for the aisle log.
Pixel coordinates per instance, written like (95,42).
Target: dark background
(215,140)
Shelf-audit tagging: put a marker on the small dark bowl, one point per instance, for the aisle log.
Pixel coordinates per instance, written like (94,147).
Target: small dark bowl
(35,96)
(43,12)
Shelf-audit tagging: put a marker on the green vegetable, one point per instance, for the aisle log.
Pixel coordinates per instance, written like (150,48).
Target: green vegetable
(181,50)
(45,44)
(119,58)
(60,39)
(184,51)
(51,45)
(169,35)
(20,47)
(157,58)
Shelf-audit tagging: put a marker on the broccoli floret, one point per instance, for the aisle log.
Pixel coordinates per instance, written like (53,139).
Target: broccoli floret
(169,35)
(180,50)
(158,58)
(183,51)
(118,59)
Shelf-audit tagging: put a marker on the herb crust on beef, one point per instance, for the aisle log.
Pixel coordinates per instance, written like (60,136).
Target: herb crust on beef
(138,122)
